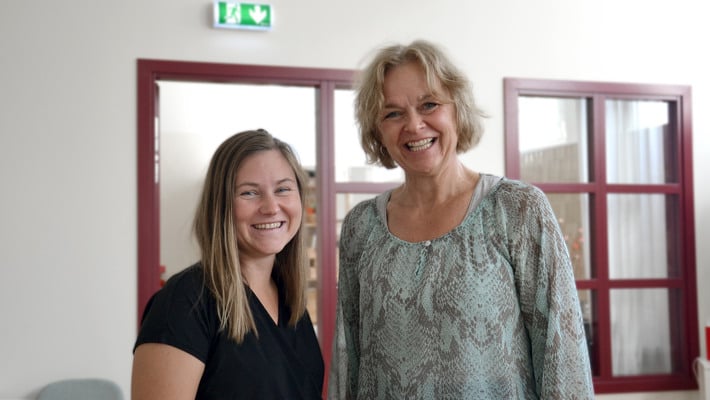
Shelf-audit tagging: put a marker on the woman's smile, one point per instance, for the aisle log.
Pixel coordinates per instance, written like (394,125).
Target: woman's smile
(420,145)
(268,226)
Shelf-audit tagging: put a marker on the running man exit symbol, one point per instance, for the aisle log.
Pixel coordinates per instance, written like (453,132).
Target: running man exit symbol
(242,15)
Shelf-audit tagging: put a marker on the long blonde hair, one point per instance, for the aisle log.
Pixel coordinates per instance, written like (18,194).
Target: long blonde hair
(216,235)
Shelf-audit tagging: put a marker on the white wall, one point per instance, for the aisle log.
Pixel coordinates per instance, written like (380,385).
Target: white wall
(68,131)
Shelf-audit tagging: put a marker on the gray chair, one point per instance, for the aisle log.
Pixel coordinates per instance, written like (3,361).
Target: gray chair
(81,389)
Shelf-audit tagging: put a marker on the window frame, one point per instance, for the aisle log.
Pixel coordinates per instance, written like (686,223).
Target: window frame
(686,324)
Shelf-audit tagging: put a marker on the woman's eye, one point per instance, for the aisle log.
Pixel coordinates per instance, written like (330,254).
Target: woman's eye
(392,114)
(283,190)
(429,106)
(247,193)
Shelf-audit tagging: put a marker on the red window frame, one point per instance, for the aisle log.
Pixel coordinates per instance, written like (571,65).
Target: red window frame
(685,325)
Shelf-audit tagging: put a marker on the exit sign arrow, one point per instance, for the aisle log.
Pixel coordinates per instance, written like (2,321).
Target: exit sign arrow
(258,15)
(242,15)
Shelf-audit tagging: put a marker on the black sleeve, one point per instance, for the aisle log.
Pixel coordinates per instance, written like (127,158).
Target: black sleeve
(181,314)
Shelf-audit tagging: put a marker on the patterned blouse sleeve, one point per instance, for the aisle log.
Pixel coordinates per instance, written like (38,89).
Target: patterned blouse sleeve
(549,301)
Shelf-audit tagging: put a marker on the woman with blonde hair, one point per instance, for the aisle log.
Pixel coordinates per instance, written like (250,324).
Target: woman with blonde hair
(456,284)
(235,324)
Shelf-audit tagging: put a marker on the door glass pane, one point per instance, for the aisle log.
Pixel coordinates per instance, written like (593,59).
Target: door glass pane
(552,138)
(350,160)
(643,236)
(310,225)
(572,211)
(640,142)
(641,339)
(588,303)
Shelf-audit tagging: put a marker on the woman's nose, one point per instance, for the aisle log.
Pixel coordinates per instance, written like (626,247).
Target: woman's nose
(269,204)
(413,121)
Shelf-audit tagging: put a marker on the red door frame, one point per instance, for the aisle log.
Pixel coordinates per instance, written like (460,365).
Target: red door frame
(324,80)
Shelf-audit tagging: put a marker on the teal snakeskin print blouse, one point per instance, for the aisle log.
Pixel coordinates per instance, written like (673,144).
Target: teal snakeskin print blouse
(486,311)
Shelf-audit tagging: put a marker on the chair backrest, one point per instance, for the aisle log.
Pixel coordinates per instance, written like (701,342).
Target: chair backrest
(81,389)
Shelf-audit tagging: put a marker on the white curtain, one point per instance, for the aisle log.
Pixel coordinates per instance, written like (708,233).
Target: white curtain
(637,237)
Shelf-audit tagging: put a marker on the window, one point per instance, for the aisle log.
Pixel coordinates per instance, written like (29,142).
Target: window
(615,162)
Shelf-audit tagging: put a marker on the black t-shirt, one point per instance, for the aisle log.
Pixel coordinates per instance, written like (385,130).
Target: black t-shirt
(284,362)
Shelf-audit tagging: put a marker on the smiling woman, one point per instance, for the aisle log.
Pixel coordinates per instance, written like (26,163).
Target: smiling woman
(467,267)
(235,324)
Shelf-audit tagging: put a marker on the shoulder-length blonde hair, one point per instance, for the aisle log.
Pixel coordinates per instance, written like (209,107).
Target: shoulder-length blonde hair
(369,98)
(216,235)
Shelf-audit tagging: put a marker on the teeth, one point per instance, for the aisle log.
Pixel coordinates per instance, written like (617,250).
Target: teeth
(420,144)
(272,225)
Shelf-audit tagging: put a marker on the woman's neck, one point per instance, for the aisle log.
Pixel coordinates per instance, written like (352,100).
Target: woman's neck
(437,189)
(259,279)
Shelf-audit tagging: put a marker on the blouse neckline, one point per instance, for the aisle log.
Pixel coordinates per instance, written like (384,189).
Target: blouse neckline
(485,184)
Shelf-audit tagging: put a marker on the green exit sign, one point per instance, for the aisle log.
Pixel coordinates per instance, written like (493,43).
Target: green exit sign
(242,15)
